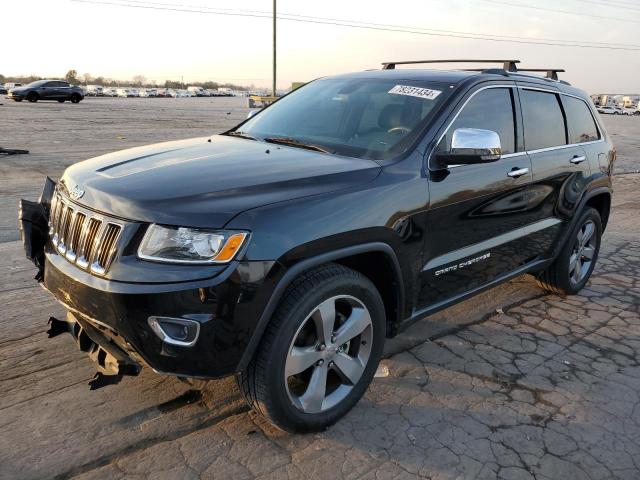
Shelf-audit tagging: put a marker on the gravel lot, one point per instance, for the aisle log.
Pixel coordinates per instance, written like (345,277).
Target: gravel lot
(512,384)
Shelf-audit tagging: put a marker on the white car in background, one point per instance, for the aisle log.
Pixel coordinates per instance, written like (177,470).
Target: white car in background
(608,110)
(95,90)
(110,92)
(124,92)
(148,92)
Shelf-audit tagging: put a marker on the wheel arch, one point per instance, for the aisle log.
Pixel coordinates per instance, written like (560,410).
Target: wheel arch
(601,201)
(362,258)
(598,198)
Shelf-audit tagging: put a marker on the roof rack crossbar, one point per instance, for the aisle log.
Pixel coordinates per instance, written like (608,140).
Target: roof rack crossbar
(551,73)
(508,65)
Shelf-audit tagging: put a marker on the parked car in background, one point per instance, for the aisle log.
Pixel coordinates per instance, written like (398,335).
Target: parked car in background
(196,91)
(3,90)
(162,92)
(608,110)
(629,111)
(9,85)
(110,92)
(147,92)
(47,90)
(95,91)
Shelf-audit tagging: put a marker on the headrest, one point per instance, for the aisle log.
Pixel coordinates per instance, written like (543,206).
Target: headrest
(390,116)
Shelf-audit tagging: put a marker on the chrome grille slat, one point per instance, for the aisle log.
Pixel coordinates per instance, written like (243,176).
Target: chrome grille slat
(88,240)
(67,214)
(106,248)
(74,236)
(92,237)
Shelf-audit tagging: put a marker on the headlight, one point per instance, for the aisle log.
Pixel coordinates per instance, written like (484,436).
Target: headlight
(190,245)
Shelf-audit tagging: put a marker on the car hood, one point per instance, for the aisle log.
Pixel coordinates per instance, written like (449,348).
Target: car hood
(204,182)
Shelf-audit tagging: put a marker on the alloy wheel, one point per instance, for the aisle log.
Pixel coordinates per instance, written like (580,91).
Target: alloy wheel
(328,354)
(583,252)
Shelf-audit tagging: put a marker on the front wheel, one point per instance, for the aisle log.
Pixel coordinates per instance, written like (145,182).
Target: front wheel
(569,273)
(32,97)
(319,352)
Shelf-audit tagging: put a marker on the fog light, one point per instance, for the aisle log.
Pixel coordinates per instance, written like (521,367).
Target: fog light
(175,331)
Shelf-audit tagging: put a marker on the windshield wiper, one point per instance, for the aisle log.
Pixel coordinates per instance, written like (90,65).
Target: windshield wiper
(241,135)
(296,143)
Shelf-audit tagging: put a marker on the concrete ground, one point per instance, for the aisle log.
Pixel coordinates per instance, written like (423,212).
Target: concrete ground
(510,384)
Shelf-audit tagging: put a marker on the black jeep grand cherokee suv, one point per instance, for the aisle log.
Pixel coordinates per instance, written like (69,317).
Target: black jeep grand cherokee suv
(285,250)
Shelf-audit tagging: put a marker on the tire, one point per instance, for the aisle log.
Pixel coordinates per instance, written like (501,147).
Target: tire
(17,99)
(62,100)
(75,98)
(288,402)
(32,97)
(566,276)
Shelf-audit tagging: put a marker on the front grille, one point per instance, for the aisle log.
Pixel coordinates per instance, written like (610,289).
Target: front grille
(88,240)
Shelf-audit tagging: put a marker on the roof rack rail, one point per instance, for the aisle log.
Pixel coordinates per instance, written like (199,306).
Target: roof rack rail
(551,73)
(508,65)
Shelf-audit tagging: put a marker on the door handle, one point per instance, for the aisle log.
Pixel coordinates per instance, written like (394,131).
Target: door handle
(518,172)
(578,159)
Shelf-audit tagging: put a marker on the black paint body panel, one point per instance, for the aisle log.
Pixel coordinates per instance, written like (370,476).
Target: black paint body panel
(303,208)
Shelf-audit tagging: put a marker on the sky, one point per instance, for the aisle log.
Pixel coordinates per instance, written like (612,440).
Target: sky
(121,42)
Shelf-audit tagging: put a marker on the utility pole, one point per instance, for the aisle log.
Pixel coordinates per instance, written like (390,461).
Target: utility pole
(273,86)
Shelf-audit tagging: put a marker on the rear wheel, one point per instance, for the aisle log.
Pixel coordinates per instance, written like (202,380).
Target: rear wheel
(32,97)
(569,273)
(17,99)
(75,98)
(319,352)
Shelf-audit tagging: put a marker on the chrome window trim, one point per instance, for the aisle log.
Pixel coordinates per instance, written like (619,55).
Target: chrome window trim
(524,152)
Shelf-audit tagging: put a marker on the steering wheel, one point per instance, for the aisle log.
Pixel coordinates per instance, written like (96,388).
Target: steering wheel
(399,130)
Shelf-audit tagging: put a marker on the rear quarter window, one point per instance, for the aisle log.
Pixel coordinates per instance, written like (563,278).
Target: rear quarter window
(544,124)
(582,126)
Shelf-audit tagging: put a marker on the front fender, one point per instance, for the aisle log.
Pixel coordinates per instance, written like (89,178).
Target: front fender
(307,264)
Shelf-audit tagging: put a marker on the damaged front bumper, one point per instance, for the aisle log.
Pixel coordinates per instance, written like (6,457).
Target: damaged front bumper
(112,362)
(116,322)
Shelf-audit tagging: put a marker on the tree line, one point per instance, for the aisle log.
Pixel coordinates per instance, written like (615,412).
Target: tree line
(140,81)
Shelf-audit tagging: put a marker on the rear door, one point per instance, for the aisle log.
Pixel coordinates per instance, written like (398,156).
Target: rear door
(63,90)
(477,213)
(559,163)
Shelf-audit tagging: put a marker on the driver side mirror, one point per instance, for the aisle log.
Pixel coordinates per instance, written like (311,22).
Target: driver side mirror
(471,146)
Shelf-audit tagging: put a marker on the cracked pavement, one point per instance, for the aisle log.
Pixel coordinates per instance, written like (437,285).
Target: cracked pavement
(546,387)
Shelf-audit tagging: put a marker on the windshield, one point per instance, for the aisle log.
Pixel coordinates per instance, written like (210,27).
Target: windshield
(365,118)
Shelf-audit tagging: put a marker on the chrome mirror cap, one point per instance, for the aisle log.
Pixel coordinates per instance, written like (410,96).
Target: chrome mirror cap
(483,145)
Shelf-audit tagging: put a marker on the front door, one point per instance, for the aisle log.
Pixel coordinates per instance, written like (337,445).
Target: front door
(478,213)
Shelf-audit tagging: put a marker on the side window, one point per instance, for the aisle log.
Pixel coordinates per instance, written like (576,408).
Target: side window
(544,124)
(582,126)
(490,109)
